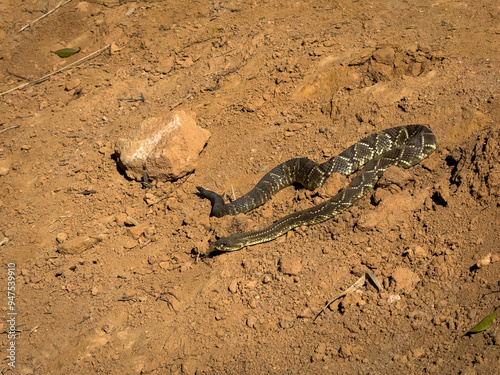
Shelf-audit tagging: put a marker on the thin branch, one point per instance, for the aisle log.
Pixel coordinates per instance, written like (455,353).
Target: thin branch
(45,15)
(39,80)
(17,75)
(10,127)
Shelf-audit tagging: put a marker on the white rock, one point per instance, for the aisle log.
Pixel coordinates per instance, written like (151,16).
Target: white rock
(165,147)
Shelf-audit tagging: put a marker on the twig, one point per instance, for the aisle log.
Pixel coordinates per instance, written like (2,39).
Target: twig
(10,127)
(359,283)
(39,80)
(489,205)
(17,75)
(180,101)
(232,191)
(139,99)
(171,191)
(45,15)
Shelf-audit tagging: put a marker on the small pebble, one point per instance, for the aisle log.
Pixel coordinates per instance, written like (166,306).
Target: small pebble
(484,261)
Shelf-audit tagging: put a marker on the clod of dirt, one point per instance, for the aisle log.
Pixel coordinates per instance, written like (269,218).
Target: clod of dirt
(290,265)
(405,279)
(484,261)
(73,84)
(77,245)
(4,167)
(384,56)
(166,148)
(395,175)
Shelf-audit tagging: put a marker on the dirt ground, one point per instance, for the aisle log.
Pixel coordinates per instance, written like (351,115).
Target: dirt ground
(271,80)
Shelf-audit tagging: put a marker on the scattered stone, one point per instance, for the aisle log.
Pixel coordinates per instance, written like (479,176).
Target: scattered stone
(307,313)
(350,301)
(4,167)
(290,265)
(319,352)
(420,252)
(415,69)
(390,211)
(405,279)
(251,321)
(202,247)
(484,261)
(267,279)
(78,245)
(251,284)
(417,353)
(332,186)
(61,237)
(113,49)
(442,194)
(130,243)
(82,6)
(233,286)
(121,219)
(136,231)
(430,163)
(254,104)
(166,148)
(393,298)
(185,62)
(380,72)
(151,199)
(73,84)
(332,72)
(286,323)
(252,303)
(165,65)
(395,175)
(384,56)
(348,350)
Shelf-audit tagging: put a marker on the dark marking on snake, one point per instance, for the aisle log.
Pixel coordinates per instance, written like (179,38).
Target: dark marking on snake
(403,146)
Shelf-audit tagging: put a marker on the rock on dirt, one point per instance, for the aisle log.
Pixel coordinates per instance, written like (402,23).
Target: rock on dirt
(78,245)
(395,175)
(290,265)
(4,167)
(165,147)
(405,279)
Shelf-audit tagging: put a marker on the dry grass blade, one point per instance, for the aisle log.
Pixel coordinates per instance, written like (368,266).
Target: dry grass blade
(45,15)
(10,127)
(358,284)
(39,80)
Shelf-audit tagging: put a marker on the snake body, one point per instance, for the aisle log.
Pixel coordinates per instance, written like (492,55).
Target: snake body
(402,146)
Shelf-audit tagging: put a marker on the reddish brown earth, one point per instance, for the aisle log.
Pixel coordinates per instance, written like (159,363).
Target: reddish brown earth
(271,81)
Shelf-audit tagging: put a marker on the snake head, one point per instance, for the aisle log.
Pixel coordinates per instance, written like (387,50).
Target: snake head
(230,243)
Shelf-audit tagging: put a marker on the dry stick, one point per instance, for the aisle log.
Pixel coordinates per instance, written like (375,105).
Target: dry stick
(45,15)
(10,127)
(174,189)
(57,71)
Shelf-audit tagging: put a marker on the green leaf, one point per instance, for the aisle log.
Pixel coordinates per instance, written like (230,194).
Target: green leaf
(66,52)
(484,324)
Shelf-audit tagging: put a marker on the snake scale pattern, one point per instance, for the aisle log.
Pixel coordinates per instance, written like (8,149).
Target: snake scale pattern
(402,146)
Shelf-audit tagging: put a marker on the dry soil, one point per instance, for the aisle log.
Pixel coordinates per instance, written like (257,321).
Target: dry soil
(271,80)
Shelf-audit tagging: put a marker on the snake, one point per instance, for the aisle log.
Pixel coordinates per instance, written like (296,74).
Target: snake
(402,146)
